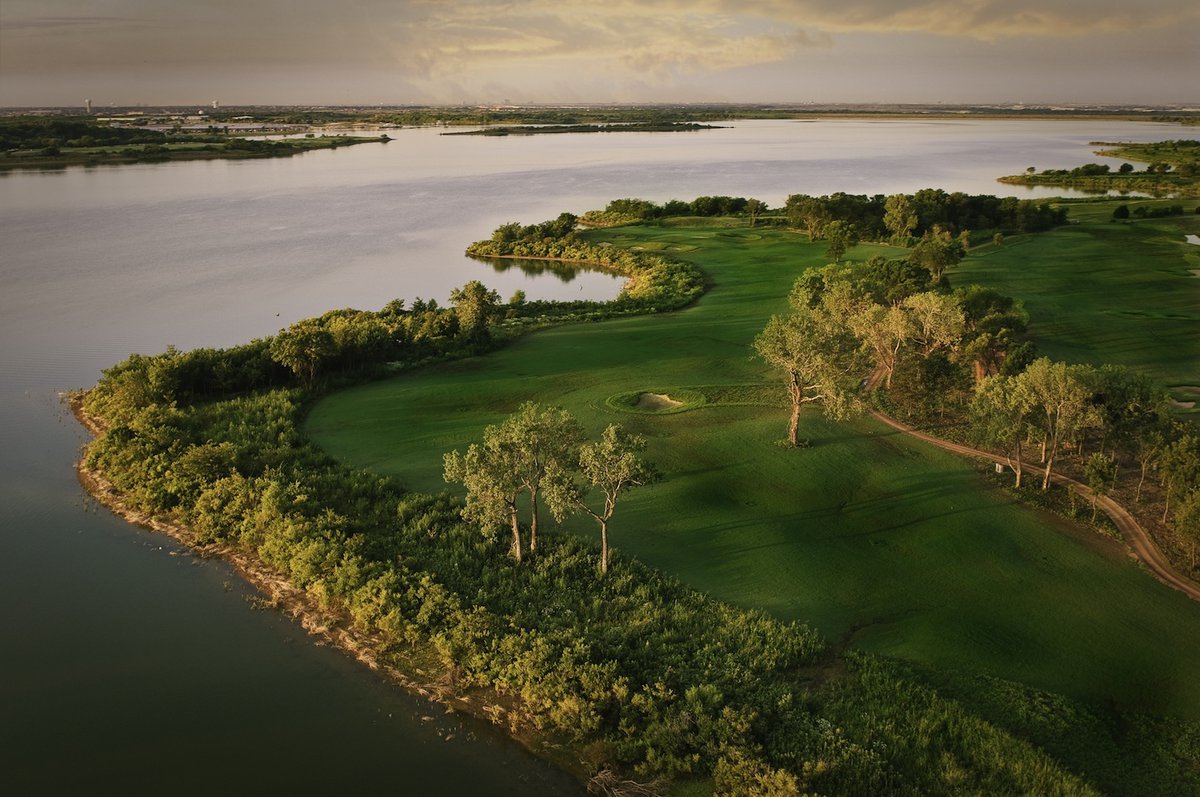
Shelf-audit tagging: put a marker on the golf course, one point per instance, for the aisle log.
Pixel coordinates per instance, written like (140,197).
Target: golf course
(880,542)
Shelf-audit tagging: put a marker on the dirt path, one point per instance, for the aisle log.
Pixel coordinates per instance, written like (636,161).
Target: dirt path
(1135,536)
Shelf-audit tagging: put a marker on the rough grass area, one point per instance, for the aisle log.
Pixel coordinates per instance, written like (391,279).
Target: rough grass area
(877,540)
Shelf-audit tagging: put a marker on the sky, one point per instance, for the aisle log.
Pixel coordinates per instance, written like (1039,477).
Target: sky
(359,52)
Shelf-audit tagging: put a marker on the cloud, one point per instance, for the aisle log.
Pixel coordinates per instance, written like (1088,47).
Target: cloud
(447,47)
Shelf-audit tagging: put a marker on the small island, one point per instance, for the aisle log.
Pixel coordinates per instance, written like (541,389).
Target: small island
(1173,169)
(39,142)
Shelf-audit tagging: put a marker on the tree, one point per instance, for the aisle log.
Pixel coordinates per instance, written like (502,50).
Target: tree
(1061,402)
(302,348)
(1179,469)
(755,207)
(474,304)
(900,216)
(821,361)
(937,321)
(841,235)
(1125,168)
(937,251)
(1150,442)
(487,471)
(540,440)
(992,324)
(892,280)
(1187,521)
(1000,417)
(998,240)
(517,456)
(611,466)
(883,331)
(1121,212)
(1126,401)
(1100,471)
(808,213)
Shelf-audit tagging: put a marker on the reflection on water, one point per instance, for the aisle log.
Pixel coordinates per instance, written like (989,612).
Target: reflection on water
(565,272)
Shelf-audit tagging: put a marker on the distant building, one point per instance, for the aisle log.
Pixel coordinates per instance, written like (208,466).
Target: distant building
(216,105)
(87,104)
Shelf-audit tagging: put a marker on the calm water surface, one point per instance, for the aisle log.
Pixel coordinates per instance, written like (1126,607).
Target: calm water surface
(147,669)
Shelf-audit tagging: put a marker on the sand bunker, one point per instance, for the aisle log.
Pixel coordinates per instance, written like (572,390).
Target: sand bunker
(656,401)
(1186,390)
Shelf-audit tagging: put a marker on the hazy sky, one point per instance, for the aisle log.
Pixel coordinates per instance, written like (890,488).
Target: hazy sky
(58,52)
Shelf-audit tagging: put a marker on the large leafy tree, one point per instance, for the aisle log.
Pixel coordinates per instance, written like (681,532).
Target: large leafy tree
(519,455)
(303,348)
(937,321)
(937,251)
(488,471)
(1179,469)
(841,236)
(755,208)
(1187,521)
(474,304)
(610,467)
(900,216)
(993,324)
(542,441)
(1061,405)
(808,213)
(883,330)
(820,358)
(1100,470)
(1000,413)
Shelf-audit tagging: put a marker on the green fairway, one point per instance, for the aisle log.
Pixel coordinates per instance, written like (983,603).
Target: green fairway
(868,535)
(1105,292)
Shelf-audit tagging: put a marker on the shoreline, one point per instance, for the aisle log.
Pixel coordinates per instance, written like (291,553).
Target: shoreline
(331,627)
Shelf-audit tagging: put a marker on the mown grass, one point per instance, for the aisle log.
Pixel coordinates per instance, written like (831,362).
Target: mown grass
(1106,292)
(875,539)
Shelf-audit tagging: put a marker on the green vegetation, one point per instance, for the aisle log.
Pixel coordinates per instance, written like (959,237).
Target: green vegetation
(1173,169)
(1034,654)
(38,142)
(1104,292)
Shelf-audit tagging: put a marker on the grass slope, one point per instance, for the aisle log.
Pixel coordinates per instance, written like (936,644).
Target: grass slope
(870,536)
(1099,291)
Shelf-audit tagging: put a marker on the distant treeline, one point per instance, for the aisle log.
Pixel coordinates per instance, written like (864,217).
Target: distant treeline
(40,132)
(60,141)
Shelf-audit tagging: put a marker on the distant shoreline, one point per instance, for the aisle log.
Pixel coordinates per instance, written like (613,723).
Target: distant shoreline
(123,155)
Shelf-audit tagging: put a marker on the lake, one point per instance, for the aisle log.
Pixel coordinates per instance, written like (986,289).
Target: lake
(148,669)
